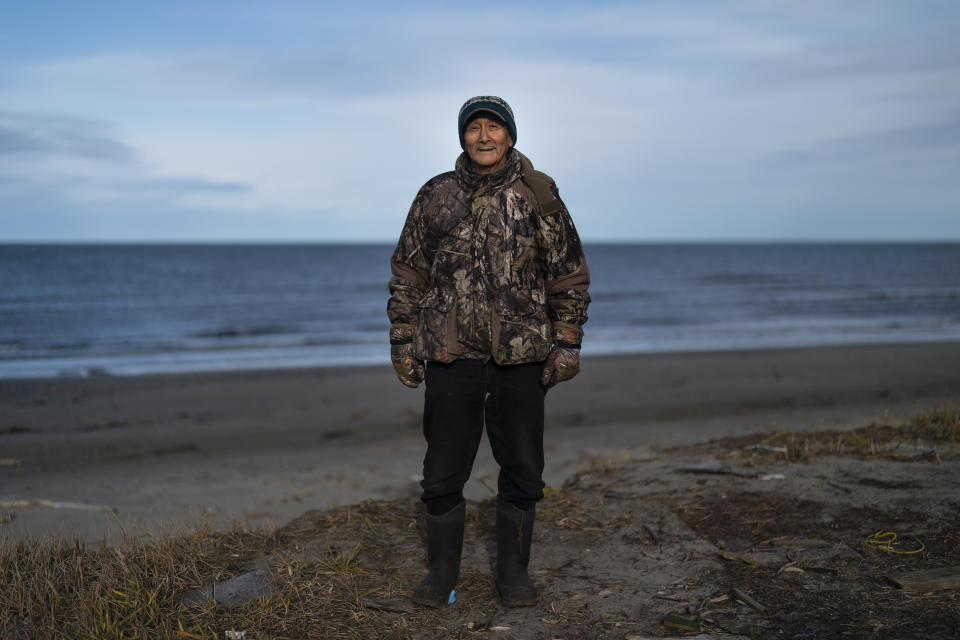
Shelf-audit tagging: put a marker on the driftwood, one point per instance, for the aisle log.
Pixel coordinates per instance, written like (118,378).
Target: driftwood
(928,580)
(37,502)
(718,468)
(392,605)
(759,559)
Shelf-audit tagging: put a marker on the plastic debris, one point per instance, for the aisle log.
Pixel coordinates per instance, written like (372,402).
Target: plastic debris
(885,540)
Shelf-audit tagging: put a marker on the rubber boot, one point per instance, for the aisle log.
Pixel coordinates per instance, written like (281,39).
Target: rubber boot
(514,535)
(444,545)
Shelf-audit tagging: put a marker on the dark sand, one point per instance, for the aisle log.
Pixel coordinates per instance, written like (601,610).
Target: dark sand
(269,445)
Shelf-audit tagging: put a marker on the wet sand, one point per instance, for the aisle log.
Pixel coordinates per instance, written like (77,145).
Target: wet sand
(162,451)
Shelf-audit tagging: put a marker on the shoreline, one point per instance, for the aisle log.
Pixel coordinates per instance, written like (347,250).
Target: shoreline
(97,372)
(266,445)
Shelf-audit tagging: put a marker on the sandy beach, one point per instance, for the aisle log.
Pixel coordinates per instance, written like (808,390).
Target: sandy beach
(160,451)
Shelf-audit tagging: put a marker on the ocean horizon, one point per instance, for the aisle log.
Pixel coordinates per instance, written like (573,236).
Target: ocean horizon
(82,309)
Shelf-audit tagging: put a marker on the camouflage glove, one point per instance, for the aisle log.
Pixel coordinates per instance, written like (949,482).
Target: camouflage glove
(563,361)
(408,368)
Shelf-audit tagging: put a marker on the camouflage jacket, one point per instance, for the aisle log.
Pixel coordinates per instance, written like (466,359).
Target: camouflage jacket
(480,271)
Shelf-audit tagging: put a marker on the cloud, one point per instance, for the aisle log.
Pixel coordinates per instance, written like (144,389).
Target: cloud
(76,159)
(23,133)
(892,146)
(656,116)
(914,57)
(167,187)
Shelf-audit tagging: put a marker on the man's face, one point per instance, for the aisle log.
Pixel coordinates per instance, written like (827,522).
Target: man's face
(487,142)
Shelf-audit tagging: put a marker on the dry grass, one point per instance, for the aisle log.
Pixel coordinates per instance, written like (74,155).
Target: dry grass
(65,589)
(932,435)
(330,564)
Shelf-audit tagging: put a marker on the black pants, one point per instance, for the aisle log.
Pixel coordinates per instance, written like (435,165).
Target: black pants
(460,396)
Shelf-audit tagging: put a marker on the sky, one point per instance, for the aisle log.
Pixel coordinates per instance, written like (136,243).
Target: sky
(726,120)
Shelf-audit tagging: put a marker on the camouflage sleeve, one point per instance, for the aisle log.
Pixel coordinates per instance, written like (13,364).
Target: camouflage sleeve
(568,277)
(409,267)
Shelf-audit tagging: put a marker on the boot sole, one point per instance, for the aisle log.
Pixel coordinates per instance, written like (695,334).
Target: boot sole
(437,602)
(433,604)
(516,603)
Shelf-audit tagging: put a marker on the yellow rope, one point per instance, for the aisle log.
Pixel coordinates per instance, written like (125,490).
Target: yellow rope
(883,541)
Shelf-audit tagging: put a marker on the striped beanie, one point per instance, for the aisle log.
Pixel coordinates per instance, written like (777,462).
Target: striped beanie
(491,104)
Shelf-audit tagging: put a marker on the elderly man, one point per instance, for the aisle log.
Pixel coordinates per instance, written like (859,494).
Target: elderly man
(488,296)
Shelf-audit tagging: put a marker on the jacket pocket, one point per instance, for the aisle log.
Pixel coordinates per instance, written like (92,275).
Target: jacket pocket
(430,338)
(524,330)
(522,302)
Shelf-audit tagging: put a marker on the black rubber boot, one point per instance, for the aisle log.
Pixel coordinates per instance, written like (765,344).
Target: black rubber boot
(514,534)
(444,544)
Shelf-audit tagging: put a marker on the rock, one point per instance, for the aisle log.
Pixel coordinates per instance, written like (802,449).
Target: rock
(255,584)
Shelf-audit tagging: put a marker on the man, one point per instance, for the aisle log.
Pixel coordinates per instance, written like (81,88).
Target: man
(488,296)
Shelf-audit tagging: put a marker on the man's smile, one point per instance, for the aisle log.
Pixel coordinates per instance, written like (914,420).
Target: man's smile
(487,142)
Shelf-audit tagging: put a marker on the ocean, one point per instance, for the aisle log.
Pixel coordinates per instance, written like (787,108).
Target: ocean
(127,309)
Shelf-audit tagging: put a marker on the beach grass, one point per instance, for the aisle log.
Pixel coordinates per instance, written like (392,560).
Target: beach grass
(344,572)
(933,434)
(339,573)
(66,589)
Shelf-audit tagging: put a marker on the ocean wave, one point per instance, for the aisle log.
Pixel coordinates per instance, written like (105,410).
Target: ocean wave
(68,346)
(245,332)
(751,279)
(654,321)
(134,309)
(614,296)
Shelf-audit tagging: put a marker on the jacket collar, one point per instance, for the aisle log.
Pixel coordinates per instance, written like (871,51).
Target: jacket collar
(472,182)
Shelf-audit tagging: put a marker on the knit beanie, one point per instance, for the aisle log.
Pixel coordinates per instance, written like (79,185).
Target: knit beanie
(491,104)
